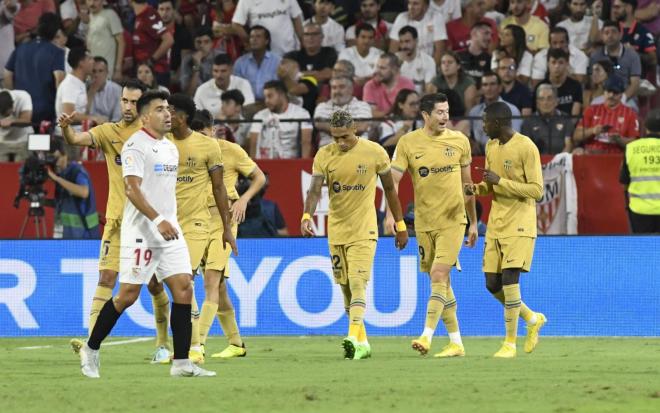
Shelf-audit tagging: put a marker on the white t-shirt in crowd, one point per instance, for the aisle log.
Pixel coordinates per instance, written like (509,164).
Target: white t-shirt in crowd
(420,70)
(207,95)
(578,32)
(71,90)
(156,162)
(22,103)
(524,67)
(364,66)
(356,108)
(430,29)
(333,34)
(279,140)
(275,15)
(450,9)
(578,62)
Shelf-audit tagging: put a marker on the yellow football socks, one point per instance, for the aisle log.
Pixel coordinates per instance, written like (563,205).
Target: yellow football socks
(101,296)
(194,317)
(161,304)
(357,307)
(229,326)
(525,312)
(449,312)
(511,311)
(362,335)
(206,319)
(435,305)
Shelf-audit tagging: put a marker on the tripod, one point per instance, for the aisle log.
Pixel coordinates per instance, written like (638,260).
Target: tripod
(35,213)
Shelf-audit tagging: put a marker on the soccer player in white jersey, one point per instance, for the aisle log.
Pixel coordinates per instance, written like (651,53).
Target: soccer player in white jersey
(151,238)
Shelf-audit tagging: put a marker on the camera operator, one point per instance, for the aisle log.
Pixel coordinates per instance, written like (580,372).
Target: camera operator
(75,203)
(15,108)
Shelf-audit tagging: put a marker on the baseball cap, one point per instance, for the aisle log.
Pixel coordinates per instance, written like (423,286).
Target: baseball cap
(614,84)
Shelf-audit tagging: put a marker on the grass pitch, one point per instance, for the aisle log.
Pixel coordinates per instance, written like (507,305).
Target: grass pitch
(286,374)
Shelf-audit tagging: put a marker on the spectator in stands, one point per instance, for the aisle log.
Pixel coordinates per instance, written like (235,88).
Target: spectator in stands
(512,90)
(491,11)
(315,60)
(404,118)
(333,32)
(370,14)
(363,55)
(15,108)
(71,95)
(75,203)
(105,37)
(208,94)
(8,11)
(594,93)
(272,139)
(607,127)
(60,41)
(303,90)
(103,94)
(475,60)
(641,178)
(283,20)
(451,76)
(578,61)
(381,91)
(26,20)
(152,41)
(449,9)
(197,68)
(341,98)
(263,218)
(75,17)
(513,45)
(579,25)
(459,30)
(342,68)
(491,88)
(536,30)
(260,64)
(230,112)
(183,41)
(648,12)
(38,68)
(456,112)
(431,28)
(549,128)
(625,60)
(634,34)
(225,34)
(145,74)
(416,65)
(569,90)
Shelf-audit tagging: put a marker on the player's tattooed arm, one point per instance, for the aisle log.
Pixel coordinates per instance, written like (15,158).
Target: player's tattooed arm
(72,138)
(389,224)
(257,181)
(313,196)
(470,207)
(222,202)
(394,205)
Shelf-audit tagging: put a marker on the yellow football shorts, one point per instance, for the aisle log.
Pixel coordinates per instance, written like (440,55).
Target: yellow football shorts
(353,260)
(440,246)
(215,256)
(197,242)
(110,243)
(504,253)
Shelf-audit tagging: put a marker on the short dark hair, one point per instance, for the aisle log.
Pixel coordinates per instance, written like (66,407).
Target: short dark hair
(652,122)
(558,30)
(222,59)
(499,111)
(149,96)
(202,120)
(480,23)
(48,25)
(633,3)
(166,1)
(233,94)
(277,85)
(100,59)
(76,55)
(492,74)
(409,29)
(558,54)
(610,23)
(362,27)
(428,101)
(204,31)
(292,55)
(140,1)
(266,32)
(183,103)
(6,102)
(393,59)
(134,84)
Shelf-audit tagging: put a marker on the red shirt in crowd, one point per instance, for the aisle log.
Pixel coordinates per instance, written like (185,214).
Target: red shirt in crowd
(459,34)
(147,37)
(621,119)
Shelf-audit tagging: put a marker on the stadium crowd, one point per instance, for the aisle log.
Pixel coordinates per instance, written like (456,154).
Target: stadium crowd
(578,75)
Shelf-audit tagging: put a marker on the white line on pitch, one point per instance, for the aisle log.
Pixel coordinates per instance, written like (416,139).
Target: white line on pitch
(112,343)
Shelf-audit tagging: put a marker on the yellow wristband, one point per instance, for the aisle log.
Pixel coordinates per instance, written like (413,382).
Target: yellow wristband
(400,226)
(305,216)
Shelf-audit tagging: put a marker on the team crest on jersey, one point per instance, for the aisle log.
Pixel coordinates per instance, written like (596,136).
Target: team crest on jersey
(190,162)
(508,165)
(118,160)
(449,152)
(621,119)
(336,186)
(362,169)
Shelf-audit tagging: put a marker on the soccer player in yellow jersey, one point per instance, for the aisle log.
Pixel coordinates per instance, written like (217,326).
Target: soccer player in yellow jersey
(110,138)
(351,167)
(438,160)
(200,170)
(513,176)
(236,161)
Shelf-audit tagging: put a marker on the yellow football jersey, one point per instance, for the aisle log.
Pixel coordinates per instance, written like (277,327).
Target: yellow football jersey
(518,164)
(434,164)
(110,138)
(236,161)
(351,178)
(198,154)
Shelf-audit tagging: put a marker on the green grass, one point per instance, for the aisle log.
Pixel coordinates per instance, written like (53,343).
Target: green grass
(284,374)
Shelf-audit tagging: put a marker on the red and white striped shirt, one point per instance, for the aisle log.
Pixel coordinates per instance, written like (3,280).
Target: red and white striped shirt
(621,119)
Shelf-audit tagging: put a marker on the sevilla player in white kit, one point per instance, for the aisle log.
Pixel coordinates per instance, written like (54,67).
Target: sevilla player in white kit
(151,239)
